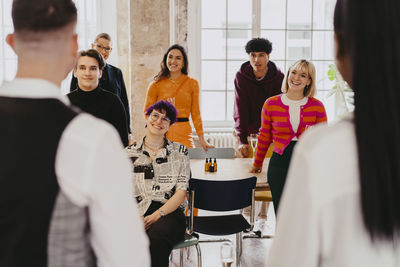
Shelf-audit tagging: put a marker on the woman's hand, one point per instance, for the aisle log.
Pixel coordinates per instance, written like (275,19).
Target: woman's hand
(204,143)
(244,150)
(150,219)
(255,169)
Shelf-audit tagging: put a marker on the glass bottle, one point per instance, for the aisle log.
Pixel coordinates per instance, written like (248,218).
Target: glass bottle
(206,165)
(212,167)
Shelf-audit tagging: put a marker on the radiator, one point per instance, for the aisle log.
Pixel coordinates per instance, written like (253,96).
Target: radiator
(220,139)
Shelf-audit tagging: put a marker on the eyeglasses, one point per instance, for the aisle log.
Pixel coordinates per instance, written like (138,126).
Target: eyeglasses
(107,49)
(154,116)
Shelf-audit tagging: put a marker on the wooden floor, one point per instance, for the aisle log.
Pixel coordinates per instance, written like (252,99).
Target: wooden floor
(254,249)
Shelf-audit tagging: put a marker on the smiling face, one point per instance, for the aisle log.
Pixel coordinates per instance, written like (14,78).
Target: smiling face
(259,61)
(298,79)
(157,123)
(175,61)
(88,73)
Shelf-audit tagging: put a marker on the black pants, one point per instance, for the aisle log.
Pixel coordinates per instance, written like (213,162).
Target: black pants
(277,171)
(164,234)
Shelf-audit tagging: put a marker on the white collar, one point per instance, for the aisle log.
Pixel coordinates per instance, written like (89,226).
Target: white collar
(32,88)
(286,100)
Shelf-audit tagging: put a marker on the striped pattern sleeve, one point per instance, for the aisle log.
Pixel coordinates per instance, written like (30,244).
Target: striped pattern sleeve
(321,114)
(319,110)
(313,114)
(265,136)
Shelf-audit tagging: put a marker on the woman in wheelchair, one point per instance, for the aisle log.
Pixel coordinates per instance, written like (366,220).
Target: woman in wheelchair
(161,173)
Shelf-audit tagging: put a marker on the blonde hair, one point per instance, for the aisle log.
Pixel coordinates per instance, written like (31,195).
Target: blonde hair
(307,67)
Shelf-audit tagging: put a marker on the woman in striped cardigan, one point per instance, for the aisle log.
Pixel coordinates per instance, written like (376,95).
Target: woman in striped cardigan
(283,119)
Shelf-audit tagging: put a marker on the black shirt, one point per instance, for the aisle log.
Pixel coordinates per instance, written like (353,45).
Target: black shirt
(103,105)
(111,81)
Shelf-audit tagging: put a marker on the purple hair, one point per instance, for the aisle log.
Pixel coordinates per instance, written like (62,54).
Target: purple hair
(166,106)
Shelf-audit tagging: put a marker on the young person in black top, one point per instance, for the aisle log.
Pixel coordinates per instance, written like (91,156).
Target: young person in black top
(90,97)
(112,79)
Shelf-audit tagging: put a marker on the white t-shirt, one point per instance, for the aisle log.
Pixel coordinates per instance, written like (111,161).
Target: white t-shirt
(93,171)
(294,111)
(320,221)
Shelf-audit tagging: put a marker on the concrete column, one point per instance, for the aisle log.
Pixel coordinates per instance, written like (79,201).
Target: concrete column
(123,42)
(149,24)
(143,29)
(181,22)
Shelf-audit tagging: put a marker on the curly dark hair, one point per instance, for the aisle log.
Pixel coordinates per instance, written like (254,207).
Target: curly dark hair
(259,45)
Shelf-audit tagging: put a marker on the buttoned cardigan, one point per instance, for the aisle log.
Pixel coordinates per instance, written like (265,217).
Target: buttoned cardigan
(277,129)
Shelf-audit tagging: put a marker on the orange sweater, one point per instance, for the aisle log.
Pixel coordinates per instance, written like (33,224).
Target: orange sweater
(186,101)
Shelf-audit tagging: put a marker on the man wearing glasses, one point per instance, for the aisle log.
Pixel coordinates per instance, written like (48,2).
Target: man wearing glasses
(112,79)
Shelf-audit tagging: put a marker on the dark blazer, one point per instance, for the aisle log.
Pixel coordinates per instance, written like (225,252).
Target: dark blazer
(112,81)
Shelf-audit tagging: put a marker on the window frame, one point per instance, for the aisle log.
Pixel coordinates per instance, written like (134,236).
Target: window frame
(105,21)
(195,58)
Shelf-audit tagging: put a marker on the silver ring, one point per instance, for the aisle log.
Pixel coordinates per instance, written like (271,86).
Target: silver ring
(258,171)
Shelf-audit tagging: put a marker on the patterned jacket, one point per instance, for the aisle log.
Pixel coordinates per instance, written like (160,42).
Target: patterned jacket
(159,179)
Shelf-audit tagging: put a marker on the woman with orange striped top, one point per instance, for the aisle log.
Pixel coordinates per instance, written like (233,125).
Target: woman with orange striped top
(174,85)
(283,119)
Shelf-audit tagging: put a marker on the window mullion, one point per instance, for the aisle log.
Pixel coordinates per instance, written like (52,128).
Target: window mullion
(312,29)
(3,53)
(286,34)
(256,18)
(226,59)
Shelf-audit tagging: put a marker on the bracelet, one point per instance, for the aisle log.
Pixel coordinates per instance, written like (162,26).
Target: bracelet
(161,213)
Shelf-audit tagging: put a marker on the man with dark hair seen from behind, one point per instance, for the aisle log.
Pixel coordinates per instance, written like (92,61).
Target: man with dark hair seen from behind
(258,79)
(112,79)
(65,183)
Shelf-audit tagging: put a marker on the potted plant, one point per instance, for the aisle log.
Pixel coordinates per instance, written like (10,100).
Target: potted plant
(342,91)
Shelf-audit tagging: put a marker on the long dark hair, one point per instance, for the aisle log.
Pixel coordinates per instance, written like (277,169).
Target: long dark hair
(164,72)
(368,34)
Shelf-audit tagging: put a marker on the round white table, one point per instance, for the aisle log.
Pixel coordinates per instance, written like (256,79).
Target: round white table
(230,169)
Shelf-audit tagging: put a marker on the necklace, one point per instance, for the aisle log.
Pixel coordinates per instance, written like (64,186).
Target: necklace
(175,80)
(153,147)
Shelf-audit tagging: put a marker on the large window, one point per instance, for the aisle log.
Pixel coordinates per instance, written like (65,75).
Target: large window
(93,17)
(297,28)
(8,59)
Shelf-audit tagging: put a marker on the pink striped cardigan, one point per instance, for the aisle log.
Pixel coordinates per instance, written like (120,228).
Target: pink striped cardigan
(276,127)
